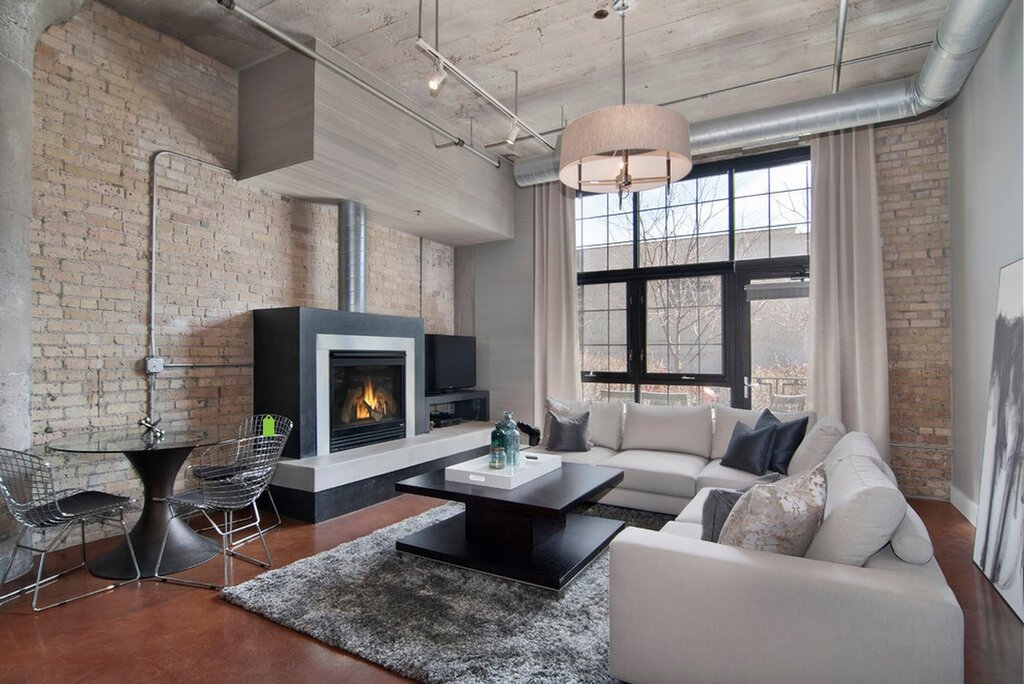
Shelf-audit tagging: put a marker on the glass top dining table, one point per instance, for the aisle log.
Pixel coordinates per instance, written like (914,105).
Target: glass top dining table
(157,462)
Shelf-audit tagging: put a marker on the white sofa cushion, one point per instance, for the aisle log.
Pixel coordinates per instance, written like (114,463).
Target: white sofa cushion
(606,423)
(592,457)
(726,418)
(659,472)
(717,475)
(683,529)
(778,518)
(563,409)
(910,541)
(817,445)
(862,509)
(685,429)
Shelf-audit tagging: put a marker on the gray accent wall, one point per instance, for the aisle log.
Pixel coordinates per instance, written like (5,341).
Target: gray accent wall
(494,302)
(987,225)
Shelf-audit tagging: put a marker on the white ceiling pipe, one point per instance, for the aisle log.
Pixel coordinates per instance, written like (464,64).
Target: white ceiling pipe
(965,28)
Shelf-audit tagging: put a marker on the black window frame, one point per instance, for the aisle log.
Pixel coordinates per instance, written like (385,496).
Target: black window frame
(735,276)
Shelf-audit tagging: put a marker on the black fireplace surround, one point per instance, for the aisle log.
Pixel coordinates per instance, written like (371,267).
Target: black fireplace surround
(284,374)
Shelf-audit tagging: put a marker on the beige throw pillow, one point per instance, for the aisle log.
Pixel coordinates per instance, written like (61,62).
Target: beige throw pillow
(817,445)
(779,518)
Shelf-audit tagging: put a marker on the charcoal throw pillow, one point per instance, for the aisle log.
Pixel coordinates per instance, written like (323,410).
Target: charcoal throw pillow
(778,518)
(569,434)
(788,436)
(750,449)
(716,511)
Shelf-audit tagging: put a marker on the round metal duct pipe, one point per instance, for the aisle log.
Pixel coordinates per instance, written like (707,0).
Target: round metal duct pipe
(965,28)
(352,256)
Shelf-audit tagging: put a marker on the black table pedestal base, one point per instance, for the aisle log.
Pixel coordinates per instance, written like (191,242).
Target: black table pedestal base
(185,548)
(545,552)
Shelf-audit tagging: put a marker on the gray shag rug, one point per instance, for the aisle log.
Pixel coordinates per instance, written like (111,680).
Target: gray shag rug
(438,623)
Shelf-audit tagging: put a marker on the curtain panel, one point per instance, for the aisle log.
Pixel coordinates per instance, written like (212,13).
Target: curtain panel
(849,371)
(555,334)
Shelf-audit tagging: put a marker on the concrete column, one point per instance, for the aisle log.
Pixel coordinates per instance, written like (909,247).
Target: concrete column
(21,23)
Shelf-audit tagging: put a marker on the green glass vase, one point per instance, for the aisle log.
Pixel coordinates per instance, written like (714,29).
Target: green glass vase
(511,433)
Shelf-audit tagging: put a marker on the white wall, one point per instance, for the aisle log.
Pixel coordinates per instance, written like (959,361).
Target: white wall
(494,301)
(987,225)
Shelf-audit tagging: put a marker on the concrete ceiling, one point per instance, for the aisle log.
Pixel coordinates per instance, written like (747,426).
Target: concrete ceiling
(715,57)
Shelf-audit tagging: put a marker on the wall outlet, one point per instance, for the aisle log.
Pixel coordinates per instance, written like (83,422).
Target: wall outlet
(154,364)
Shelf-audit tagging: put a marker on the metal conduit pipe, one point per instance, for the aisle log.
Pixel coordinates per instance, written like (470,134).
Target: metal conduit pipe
(153,251)
(352,256)
(837,61)
(965,28)
(295,45)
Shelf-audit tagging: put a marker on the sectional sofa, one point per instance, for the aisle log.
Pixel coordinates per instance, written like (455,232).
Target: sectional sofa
(868,602)
(667,453)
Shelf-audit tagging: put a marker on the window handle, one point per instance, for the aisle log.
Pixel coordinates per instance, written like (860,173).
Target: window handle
(747,384)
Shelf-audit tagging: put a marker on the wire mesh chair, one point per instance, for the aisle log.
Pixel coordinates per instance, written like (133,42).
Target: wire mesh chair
(245,466)
(254,426)
(27,484)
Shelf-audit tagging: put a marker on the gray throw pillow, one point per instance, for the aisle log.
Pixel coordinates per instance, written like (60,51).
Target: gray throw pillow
(568,434)
(717,507)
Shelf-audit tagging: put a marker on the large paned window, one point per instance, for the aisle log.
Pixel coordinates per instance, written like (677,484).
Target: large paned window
(696,292)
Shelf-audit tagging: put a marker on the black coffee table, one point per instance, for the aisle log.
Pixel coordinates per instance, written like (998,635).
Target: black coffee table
(525,534)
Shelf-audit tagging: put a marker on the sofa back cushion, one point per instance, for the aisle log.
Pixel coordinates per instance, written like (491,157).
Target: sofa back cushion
(862,509)
(911,542)
(686,429)
(726,418)
(819,442)
(606,423)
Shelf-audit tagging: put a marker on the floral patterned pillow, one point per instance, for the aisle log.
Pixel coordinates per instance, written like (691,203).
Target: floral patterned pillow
(779,518)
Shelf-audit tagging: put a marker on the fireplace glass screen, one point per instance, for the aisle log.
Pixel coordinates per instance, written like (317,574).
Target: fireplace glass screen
(367,398)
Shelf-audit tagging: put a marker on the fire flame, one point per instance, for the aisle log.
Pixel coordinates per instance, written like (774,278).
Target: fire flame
(369,401)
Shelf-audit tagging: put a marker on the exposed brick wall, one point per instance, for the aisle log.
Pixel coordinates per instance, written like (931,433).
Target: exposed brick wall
(108,93)
(913,176)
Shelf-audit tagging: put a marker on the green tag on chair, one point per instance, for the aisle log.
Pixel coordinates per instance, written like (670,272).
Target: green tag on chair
(268,426)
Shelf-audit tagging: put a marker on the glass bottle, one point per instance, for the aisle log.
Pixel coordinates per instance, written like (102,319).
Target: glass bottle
(511,431)
(498,456)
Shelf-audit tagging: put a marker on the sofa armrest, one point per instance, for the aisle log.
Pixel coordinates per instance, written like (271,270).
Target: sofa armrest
(686,610)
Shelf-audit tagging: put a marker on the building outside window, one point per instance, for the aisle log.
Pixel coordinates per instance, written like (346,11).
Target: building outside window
(697,292)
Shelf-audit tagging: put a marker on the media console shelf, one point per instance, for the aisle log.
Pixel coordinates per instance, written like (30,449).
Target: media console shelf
(466,404)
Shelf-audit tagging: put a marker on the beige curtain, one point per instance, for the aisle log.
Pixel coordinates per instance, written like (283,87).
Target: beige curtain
(849,373)
(556,367)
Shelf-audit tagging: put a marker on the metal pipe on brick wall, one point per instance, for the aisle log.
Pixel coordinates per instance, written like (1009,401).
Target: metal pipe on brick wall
(153,252)
(965,28)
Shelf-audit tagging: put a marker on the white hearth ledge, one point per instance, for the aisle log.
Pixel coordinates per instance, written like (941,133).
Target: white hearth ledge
(320,473)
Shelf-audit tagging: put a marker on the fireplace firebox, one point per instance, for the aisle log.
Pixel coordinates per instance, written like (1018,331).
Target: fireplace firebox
(367,394)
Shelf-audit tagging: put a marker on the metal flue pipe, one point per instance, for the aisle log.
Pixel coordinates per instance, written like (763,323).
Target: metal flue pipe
(965,28)
(352,256)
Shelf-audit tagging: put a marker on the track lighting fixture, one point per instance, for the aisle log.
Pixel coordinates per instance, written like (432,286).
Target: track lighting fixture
(513,134)
(437,78)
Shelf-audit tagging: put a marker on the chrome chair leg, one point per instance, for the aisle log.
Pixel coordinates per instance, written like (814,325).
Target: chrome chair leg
(10,564)
(258,533)
(178,580)
(39,584)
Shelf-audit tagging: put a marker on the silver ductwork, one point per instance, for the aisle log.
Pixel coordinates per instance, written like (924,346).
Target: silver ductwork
(965,28)
(352,256)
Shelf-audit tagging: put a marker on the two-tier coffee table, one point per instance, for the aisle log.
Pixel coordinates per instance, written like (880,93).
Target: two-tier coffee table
(525,534)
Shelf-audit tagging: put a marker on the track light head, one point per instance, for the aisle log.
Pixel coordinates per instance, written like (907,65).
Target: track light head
(513,134)
(437,78)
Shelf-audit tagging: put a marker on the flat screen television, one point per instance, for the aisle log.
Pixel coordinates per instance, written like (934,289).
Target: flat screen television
(451,362)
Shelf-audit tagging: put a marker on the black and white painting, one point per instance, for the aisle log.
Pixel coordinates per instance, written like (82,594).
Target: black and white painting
(999,540)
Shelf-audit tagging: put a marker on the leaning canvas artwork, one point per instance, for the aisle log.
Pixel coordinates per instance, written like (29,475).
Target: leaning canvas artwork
(999,540)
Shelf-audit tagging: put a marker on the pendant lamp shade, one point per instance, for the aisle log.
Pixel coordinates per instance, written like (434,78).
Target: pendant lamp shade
(652,142)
